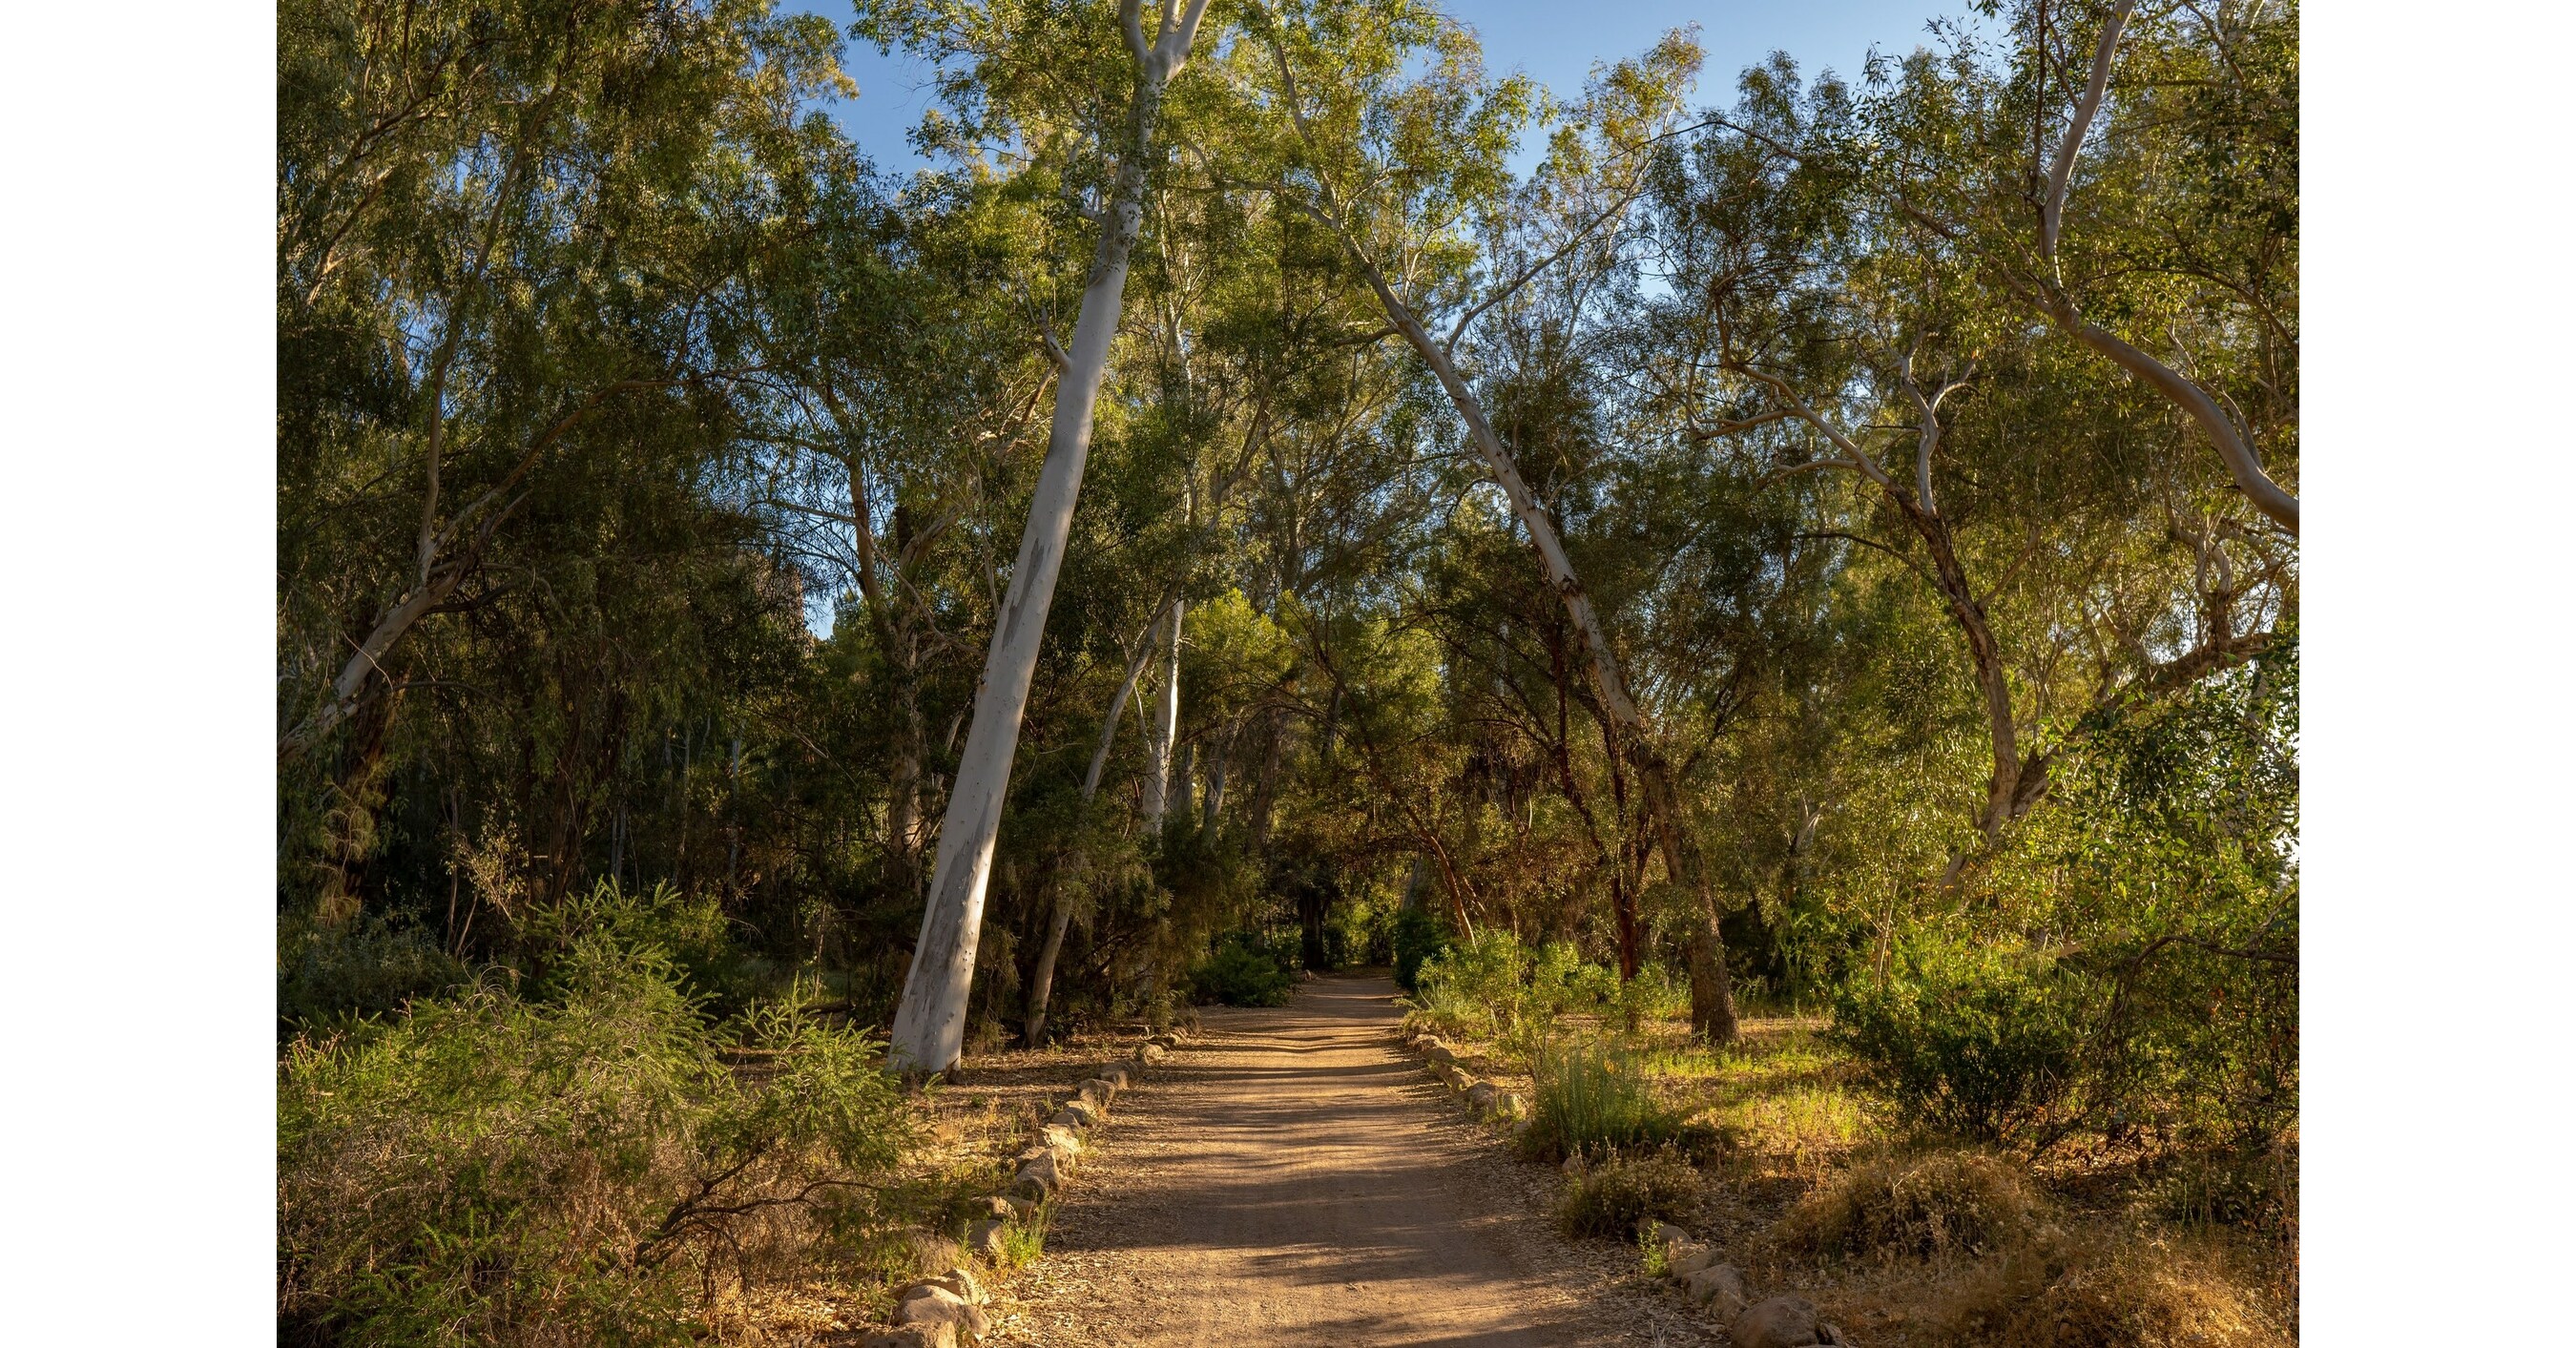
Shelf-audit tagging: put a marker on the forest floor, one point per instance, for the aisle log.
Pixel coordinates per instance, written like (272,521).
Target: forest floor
(1290,1177)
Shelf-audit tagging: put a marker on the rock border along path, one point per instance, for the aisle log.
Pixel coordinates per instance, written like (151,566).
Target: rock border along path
(1282,1182)
(1692,1267)
(949,1310)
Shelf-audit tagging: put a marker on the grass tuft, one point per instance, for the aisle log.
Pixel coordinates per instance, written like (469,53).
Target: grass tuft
(1939,1205)
(1617,1196)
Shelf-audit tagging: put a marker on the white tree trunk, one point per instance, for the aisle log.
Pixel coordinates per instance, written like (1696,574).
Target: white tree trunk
(1162,728)
(930,1023)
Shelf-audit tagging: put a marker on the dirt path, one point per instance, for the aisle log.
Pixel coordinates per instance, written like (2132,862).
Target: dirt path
(1289,1178)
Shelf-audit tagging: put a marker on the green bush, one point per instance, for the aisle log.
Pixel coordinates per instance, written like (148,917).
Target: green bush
(572,1168)
(362,968)
(1592,1098)
(1622,1193)
(1979,1043)
(1419,936)
(1243,971)
(1477,989)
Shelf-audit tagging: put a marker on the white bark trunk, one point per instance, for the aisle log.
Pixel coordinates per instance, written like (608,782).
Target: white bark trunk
(1162,728)
(930,1023)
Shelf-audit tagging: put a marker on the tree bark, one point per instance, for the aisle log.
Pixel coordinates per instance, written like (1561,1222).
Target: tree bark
(1712,997)
(1161,728)
(930,1022)
(1042,978)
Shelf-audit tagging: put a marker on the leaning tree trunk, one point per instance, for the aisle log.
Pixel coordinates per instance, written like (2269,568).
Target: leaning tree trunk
(930,1022)
(1162,727)
(1712,995)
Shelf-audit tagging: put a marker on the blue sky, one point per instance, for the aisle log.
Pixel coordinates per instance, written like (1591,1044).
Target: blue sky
(1555,43)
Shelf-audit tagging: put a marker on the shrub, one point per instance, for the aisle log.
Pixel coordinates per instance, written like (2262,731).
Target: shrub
(1622,1193)
(1949,1203)
(1478,989)
(2108,1292)
(1982,1044)
(1419,935)
(1242,971)
(1593,1098)
(362,968)
(491,1168)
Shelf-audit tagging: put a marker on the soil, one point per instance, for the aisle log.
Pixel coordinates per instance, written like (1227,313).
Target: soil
(1289,1177)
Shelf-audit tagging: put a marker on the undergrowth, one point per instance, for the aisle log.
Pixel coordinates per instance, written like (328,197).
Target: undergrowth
(586,1159)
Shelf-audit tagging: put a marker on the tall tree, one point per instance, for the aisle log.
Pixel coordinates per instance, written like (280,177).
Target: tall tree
(930,1022)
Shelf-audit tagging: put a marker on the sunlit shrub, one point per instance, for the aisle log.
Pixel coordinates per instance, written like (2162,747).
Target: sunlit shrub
(576,1168)
(1980,1043)
(1592,1098)
(1946,1203)
(1615,1196)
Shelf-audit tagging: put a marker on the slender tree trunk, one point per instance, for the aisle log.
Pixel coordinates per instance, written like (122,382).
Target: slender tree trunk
(1214,801)
(1265,786)
(1183,781)
(1042,979)
(1712,998)
(1161,727)
(930,1022)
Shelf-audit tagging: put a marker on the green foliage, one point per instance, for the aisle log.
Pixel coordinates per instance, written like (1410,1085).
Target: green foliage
(1593,1098)
(1244,970)
(492,1168)
(1477,989)
(1980,1042)
(368,967)
(1419,936)
(1623,1192)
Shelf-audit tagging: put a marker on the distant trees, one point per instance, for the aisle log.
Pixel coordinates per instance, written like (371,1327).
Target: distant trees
(660,500)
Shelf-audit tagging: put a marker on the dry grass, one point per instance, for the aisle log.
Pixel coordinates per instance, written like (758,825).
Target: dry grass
(1937,1205)
(971,1124)
(1929,1245)
(2108,1289)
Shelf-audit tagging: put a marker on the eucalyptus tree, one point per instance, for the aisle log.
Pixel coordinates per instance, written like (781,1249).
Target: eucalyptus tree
(898,389)
(2129,174)
(512,247)
(1406,171)
(1031,77)
(1814,327)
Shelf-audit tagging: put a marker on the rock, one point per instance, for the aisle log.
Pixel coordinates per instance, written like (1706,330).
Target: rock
(1439,1053)
(1149,1053)
(1690,1258)
(985,1238)
(1076,1114)
(1719,1287)
(941,1335)
(1039,1178)
(1507,1103)
(1781,1322)
(961,1280)
(1115,1076)
(996,1207)
(1099,1089)
(1167,1039)
(1060,1142)
(932,1304)
(1832,1335)
(1021,1209)
(1667,1234)
(1481,1096)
